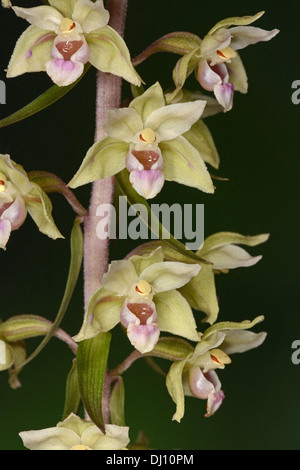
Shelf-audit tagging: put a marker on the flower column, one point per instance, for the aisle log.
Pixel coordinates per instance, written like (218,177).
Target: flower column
(108,97)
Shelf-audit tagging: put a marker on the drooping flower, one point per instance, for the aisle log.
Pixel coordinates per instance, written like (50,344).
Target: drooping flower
(217,63)
(141,293)
(18,195)
(75,433)
(146,138)
(196,375)
(64,36)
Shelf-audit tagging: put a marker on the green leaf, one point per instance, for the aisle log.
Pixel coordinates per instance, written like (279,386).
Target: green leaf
(179,43)
(74,269)
(166,238)
(117,403)
(72,396)
(41,102)
(92,357)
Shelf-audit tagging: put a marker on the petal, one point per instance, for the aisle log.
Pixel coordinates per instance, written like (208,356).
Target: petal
(207,78)
(138,313)
(151,100)
(183,164)
(74,49)
(39,207)
(238,341)
(32,51)
(56,438)
(231,257)
(44,17)
(5,229)
(143,337)
(109,54)
(175,119)
(237,20)
(200,137)
(16,213)
(104,159)
(184,67)
(199,385)
(175,387)
(220,239)
(175,315)
(65,7)
(6,356)
(169,275)
(64,72)
(90,15)
(120,277)
(141,262)
(211,43)
(214,402)
(201,294)
(237,75)
(115,437)
(224,95)
(243,36)
(147,183)
(123,124)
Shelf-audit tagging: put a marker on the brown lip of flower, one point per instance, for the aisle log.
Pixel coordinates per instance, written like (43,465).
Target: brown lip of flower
(68,48)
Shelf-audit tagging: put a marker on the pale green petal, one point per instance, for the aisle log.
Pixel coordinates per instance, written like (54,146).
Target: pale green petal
(16,174)
(229,325)
(105,158)
(32,51)
(64,6)
(148,102)
(142,262)
(211,43)
(200,137)
(109,53)
(238,341)
(175,316)
(90,15)
(45,17)
(56,438)
(115,437)
(201,294)
(6,356)
(245,36)
(120,277)
(231,257)
(183,164)
(123,124)
(103,314)
(183,68)
(168,275)
(175,388)
(175,119)
(220,239)
(39,207)
(236,21)
(210,342)
(76,424)
(237,75)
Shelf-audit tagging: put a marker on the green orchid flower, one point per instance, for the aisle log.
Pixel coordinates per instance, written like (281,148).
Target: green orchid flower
(142,293)
(75,433)
(64,36)
(215,60)
(18,195)
(147,138)
(196,375)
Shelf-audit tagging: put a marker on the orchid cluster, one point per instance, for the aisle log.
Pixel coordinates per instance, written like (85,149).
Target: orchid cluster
(161,294)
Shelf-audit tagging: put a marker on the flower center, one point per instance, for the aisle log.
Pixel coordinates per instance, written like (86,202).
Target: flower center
(141,311)
(146,157)
(68,48)
(143,288)
(79,447)
(2,182)
(219,357)
(66,25)
(227,53)
(148,136)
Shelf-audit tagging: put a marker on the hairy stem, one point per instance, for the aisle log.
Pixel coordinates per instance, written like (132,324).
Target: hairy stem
(96,251)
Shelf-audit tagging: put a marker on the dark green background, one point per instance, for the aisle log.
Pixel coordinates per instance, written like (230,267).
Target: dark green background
(258,144)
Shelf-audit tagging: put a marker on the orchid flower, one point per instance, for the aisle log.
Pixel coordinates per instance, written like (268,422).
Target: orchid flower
(196,375)
(18,195)
(146,138)
(64,36)
(141,293)
(216,62)
(75,433)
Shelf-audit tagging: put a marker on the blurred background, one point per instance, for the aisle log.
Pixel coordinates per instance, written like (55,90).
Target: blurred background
(258,142)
